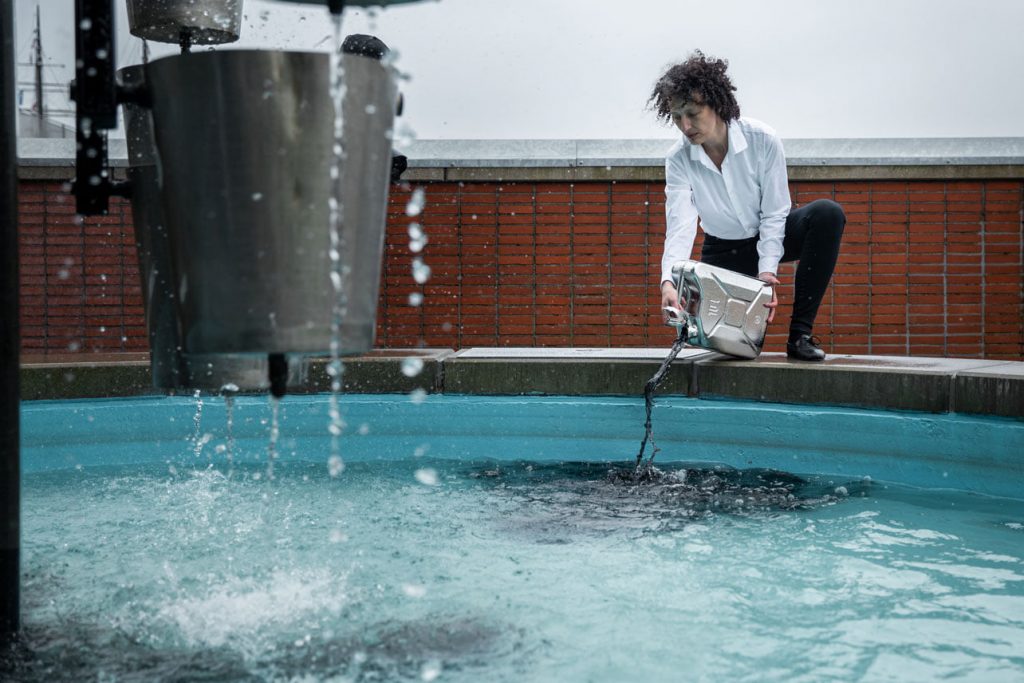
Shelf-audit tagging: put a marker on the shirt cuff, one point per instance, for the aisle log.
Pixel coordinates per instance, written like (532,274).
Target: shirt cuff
(768,265)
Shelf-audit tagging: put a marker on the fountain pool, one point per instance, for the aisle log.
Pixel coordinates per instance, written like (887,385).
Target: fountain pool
(481,538)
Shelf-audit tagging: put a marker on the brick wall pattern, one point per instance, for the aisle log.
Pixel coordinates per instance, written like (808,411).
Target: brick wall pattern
(929,268)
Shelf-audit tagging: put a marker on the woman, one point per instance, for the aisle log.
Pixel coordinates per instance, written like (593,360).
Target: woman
(730,172)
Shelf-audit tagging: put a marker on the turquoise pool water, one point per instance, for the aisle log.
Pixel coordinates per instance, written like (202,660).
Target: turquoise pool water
(477,539)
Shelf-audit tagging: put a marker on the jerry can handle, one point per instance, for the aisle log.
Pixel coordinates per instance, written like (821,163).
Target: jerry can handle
(681,320)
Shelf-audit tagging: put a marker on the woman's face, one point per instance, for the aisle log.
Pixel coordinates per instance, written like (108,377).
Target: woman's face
(697,121)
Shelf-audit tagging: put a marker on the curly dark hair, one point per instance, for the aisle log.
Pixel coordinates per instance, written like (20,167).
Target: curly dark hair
(700,75)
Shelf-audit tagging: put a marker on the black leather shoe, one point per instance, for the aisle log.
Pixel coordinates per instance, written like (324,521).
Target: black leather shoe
(805,347)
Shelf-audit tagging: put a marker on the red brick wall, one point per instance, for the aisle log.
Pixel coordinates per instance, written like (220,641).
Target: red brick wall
(931,268)
(79,279)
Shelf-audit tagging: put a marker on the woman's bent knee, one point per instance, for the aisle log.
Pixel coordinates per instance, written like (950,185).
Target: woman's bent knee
(829,215)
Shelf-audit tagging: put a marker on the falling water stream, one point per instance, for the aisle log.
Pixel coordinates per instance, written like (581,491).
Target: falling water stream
(197,423)
(229,390)
(335,369)
(275,434)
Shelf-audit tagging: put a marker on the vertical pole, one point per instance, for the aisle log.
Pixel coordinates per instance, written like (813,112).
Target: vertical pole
(38,57)
(10,459)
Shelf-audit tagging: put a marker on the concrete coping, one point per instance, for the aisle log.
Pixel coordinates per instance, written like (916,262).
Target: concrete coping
(434,154)
(936,385)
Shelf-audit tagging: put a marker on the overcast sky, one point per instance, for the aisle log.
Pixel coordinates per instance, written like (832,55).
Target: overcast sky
(584,68)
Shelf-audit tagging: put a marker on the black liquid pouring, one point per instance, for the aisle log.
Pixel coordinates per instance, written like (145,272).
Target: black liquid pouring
(649,389)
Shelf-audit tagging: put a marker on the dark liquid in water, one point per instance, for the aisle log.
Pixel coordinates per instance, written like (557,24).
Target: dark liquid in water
(643,471)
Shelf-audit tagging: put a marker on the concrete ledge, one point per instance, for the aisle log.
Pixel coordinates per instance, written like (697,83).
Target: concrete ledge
(996,389)
(935,385)
(573,372)
(902,383)
(381,372)
(636,160)
(655,174)
(63,380)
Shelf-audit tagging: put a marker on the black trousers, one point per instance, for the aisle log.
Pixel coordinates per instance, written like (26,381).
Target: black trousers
(813,234)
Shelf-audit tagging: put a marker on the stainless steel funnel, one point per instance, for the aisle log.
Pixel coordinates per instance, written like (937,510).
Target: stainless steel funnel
(205,22)
(173,370)
(371,97)
(354,3)
(244,142)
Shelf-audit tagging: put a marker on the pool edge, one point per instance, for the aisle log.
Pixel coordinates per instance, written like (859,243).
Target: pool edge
(936,385)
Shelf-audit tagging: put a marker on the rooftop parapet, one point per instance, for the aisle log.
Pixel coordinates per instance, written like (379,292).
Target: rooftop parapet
(807,159)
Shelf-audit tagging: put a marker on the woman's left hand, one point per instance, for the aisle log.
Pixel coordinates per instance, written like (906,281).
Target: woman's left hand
(774,282)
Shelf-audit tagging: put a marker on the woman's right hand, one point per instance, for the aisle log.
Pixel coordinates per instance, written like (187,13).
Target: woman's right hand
(669,299)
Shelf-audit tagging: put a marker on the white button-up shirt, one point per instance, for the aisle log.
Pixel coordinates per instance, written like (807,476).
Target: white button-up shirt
(748,197)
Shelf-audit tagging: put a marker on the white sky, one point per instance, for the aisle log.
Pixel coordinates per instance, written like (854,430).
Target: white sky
(584,68)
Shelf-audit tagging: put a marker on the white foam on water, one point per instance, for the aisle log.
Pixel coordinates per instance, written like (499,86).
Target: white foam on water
(234,611)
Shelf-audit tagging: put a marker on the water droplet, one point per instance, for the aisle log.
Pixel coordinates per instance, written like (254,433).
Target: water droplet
(416,202)
(103,328)
(421,451)
(63,274)
(414,590)
(335,465)
(85,24)
(418,395)
(256,196)
(403,137)
(337,536)
(415,299)
(420,271)
(426,476)
(416,245)
(74,346)
(364,429)
(430,670)
(371,109)
(412,366)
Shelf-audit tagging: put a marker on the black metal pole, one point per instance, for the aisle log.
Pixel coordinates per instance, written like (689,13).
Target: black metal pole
(10,458)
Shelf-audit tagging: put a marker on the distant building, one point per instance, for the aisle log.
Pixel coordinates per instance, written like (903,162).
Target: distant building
(37,121)
(30,125)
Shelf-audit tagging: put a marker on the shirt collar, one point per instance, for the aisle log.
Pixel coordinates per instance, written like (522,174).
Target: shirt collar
(737,143)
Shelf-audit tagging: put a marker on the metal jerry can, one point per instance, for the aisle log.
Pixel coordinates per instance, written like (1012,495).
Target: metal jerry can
(722,310)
